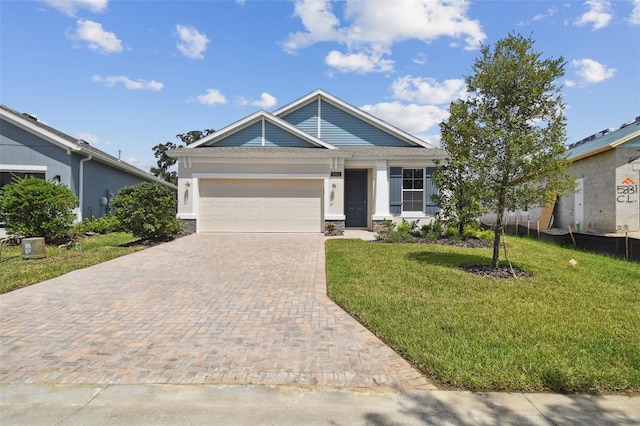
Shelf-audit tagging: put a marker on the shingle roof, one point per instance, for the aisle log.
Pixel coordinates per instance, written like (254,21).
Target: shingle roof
(360,152)
(84,148)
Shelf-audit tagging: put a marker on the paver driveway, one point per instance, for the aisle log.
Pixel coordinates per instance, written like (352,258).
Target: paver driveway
(207,308)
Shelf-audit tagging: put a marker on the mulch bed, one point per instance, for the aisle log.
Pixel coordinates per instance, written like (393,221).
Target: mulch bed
(491,272)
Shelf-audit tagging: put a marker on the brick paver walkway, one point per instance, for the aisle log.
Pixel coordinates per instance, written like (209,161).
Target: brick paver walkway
(213,309)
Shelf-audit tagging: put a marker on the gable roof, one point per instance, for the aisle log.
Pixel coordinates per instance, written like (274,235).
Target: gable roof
(264,116)
(356,112)
(604,141)
(62,140)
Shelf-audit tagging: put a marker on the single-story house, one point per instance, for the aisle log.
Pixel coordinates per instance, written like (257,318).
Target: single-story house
(313,162)
(607,170)
(28,147)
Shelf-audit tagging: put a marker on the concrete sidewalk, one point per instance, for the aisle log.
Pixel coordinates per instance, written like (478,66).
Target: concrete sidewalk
(288,405)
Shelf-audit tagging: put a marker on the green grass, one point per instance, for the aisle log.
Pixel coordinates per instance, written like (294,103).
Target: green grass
(16,272)
(566,329)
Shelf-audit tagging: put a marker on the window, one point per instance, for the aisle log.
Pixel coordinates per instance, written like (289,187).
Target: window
(412,190)
(8,177)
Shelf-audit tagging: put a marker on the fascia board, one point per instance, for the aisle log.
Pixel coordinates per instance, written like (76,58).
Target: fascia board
(252,119)
(230,129)
(606,148)
(32,128)
(365,116)
(57,140)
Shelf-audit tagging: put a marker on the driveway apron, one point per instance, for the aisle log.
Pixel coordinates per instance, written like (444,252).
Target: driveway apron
(203,309)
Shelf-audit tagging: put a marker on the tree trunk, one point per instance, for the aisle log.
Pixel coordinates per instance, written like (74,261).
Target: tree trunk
(496,241)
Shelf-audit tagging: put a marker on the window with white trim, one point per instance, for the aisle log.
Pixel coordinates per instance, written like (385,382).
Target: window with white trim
(412,190)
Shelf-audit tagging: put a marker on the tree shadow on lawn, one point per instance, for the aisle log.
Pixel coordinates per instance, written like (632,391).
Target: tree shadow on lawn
(473,264)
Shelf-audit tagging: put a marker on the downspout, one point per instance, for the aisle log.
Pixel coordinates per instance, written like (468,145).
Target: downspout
(81,185)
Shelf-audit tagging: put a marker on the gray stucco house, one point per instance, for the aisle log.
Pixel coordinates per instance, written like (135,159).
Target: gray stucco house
(31,148)
(313,162)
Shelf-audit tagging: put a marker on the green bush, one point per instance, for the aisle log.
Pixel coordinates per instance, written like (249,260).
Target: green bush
(147,210)
(98,225)
(399,237)
(34,207)
(452,232)
(432,230)
(404,227)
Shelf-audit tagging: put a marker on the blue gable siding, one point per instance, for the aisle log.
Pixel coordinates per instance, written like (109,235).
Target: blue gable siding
(342,129)
(275,136)
(249,136)
(305,118)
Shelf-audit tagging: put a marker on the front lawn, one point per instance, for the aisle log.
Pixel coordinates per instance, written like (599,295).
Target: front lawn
(566,329)
(16,272)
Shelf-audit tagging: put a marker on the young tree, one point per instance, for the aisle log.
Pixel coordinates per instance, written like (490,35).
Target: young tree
(37,208)
(164,162)
(512,129)
(458,189)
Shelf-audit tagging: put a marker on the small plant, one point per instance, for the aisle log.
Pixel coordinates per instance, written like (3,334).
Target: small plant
(399,237)
(404,227)
(34,207)
(452,232)
(432,230)
(388,225)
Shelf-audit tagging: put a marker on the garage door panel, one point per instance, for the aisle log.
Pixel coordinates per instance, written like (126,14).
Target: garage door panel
(265,205)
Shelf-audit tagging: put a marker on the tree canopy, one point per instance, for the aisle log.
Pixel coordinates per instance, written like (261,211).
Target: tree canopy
(507,140)
(164,162)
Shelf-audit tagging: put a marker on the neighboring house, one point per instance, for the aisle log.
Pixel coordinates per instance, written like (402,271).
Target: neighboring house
(607,169)
(31,148)
(313,162)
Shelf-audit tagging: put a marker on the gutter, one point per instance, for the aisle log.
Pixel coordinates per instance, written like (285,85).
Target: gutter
(81,185)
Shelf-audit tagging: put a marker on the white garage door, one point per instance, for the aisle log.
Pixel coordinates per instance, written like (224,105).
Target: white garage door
(260,205)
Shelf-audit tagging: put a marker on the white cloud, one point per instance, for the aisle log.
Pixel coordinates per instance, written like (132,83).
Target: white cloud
(428,90)
(266,101)
(591,71)
(383,23)
(358,62)
(192,43)
(112,80)
(634,19)
(240,2)
(371,28)
(420,59)
(92,139)
(319,21)
(550,12)
(211,97)
(598,14)
(96,37)
(70,7)
(412,118)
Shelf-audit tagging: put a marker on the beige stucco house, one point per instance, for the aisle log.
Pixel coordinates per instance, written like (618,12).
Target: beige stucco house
(315,161)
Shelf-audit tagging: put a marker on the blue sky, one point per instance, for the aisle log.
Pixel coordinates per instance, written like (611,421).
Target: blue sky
(126,75)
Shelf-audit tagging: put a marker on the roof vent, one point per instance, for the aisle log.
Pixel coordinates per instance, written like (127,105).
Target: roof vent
(82,142)
(29,116)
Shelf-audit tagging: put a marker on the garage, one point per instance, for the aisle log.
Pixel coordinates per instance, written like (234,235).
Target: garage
(260,205)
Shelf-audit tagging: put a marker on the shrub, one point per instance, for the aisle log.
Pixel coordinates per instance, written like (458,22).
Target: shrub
(147,210)
(37,208)
(432,230)
(452,232)
(404,227)
(399,237)
(98,225)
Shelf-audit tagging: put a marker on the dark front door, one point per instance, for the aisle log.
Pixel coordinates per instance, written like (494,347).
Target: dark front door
(355,198)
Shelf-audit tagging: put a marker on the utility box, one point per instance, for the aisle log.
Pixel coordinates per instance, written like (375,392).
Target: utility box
(33,248)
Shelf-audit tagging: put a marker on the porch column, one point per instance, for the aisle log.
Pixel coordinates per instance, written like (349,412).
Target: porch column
(382,192)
